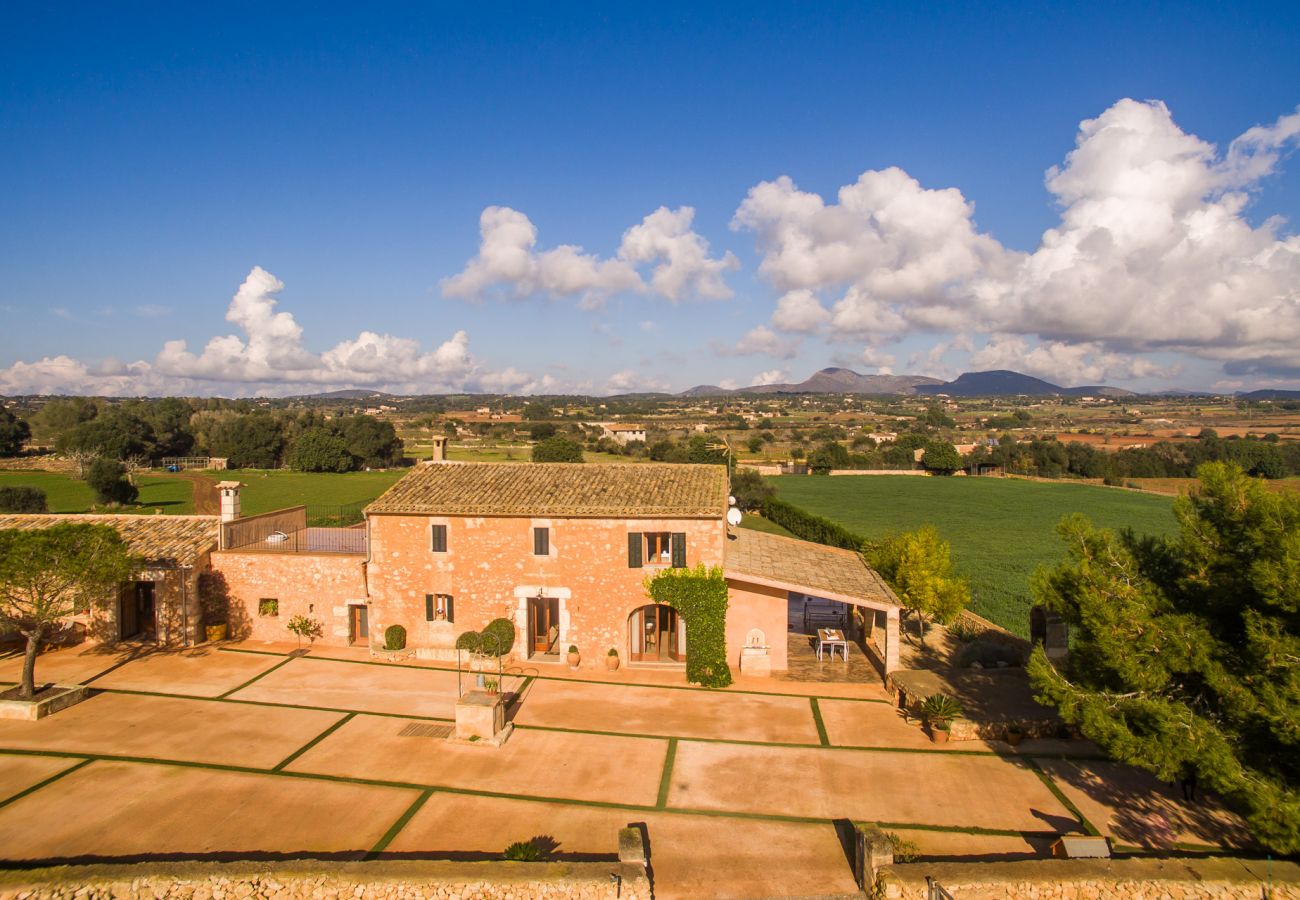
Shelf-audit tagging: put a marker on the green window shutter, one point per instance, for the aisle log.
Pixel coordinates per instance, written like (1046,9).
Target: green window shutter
(679,549)
(428,607)
(541,541)
(439,541)
(634,550)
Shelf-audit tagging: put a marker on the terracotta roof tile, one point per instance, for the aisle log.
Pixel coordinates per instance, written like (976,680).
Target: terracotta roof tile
(587,490)
(804,566)
(158,539)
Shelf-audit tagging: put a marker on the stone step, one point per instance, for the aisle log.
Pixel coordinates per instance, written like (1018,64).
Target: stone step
(440,654)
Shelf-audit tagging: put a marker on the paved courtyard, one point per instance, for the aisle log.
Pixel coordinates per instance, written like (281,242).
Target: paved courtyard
(248,752)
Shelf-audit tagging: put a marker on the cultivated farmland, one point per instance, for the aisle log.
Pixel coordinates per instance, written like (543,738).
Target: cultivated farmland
(1001,529)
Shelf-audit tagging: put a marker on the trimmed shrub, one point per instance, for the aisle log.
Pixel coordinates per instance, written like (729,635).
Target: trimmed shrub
(812,528)
(700,596)
(469,640)
(498,637)
(22,499)
(394,638)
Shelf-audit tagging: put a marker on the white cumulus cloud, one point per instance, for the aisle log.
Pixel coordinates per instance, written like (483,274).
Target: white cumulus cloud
(508,262)
(270,357)
(1153,251)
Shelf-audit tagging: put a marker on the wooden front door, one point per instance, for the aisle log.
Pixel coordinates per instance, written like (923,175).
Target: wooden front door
(136,614)
(358,624)
(543,625)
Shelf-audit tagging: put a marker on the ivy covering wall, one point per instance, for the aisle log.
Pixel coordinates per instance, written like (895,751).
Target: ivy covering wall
(700,597)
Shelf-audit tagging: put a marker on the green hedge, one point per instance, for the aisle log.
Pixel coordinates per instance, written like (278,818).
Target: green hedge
(700,596)
(395,638)
(813,528)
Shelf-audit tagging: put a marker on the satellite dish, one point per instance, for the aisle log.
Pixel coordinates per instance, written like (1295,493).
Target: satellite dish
(733,516)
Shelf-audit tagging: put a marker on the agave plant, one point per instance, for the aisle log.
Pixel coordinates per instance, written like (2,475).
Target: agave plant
(940,709)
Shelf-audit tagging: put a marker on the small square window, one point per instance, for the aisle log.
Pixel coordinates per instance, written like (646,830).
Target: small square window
(268,606)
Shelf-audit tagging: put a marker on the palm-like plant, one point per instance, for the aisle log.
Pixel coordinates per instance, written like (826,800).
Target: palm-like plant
(940,709)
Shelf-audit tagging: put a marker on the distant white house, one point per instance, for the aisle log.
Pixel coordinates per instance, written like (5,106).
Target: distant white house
(624,434)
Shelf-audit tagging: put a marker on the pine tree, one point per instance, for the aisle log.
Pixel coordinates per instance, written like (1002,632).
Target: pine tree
(1185,653)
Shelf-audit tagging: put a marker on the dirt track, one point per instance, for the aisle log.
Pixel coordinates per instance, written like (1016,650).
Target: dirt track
(206,500)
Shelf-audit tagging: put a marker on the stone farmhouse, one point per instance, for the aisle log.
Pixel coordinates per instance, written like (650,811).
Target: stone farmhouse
(562,550)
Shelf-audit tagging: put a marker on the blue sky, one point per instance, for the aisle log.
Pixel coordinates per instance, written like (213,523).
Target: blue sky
(155,154)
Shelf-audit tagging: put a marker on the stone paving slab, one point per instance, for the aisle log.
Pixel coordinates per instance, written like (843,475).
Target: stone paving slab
(71,665)
(171,728)
(533,763)
(353,686)
(200,672)
(18,773)
(117,809)
(691,856)
(866,785)
(850,724)
(639,710)
(1133,807)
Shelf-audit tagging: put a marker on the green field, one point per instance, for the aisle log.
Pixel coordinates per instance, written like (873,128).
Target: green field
(268,491)
(1001,529)
(66,494)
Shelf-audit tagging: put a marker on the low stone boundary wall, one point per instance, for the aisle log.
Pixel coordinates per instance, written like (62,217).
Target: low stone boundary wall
(1096,879)
(315,880)
(921,472)
(41,463)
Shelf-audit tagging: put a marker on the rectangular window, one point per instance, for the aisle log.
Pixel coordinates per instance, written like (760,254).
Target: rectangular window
(438,607)
(679,550)
(634,548)
(658,548)
(541,542)
(438,543)
(268,606)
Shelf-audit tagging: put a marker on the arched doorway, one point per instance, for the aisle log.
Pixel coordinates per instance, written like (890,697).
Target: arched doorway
(655,633)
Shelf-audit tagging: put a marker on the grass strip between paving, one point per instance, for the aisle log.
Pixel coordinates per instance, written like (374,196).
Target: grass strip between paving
(259,675)
(500,795)
(399,825)
(822,737)
(665,780)
(31,789)
(314,741)
(1088,827)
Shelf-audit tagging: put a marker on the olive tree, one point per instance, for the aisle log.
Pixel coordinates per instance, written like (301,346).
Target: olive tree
(49,574)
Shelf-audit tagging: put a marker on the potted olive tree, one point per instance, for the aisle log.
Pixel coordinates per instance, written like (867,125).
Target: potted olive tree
(940,710)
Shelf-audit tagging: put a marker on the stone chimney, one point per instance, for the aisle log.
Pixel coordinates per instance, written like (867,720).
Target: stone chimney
(229,491)
(439,449)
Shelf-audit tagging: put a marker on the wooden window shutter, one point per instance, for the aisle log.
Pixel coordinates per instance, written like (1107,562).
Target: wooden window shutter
(634,541)
(428,607)
(451,609)
(679,549)
(439,544)
(541,541)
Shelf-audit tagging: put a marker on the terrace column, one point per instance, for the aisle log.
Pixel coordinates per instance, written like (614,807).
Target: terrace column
(891,639)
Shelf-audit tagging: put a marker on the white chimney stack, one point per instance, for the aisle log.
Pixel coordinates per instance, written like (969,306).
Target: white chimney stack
(229,491)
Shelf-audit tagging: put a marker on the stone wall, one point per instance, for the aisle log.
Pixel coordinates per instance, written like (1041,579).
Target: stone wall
(490,572)
(1097,879)
(313,880)
(318,586)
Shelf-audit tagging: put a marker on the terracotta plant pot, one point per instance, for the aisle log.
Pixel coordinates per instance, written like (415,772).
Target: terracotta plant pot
(574,659)
(938,735)
(1015,737)
(611,662)
(217,632)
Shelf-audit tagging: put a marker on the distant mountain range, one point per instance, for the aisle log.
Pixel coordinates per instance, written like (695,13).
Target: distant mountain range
(999,383)
(349,394)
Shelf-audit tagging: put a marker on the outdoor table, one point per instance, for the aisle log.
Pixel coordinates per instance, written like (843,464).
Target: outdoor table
(829,639)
